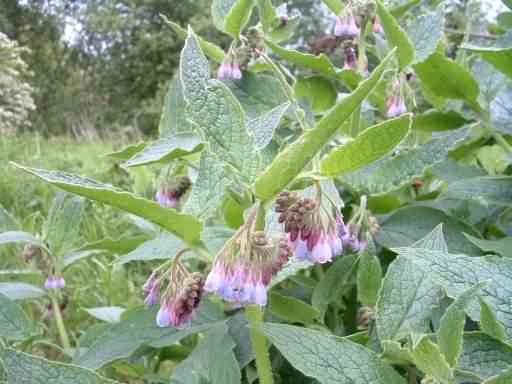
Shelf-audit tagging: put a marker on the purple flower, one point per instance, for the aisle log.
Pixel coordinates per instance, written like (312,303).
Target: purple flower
(396,107)
(377,26)
(346,26)
(54,282)
(229,68)
(350,60)
(163,317)
(166,199)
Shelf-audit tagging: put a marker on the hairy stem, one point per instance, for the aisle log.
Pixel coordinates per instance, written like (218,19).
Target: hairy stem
(254,314)
(60,323)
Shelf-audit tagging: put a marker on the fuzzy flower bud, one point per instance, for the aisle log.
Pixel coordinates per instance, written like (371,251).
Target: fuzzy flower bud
(312,230)
(31,252)
(242,273)
(364,316)
(350,59)
(346,26)
(169,193)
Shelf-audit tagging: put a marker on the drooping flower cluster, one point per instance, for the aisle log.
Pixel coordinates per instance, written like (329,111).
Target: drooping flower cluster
(178,291)
(54,282)
(170,192)
(242,272)
(346,25)
(312,227)
(395,102)
(377,26)
(230,67)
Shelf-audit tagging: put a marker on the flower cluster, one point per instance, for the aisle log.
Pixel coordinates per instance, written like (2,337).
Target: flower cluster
(169,193)
(242,272)
(54,282)
(395,102)
(230,67)
(312,227)
(346,25)
(181,296)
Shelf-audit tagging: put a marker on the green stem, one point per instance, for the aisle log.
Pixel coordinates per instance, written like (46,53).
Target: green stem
(288,90)
(254,314)
(501,141)
(260,217)
(60,323)
(411,373)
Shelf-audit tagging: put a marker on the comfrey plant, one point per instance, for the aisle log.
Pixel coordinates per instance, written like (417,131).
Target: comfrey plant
(340,205)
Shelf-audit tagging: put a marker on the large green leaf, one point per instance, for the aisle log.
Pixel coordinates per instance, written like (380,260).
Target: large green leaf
(292,309)
(14,323)
(267,13)
(320,64)
(212,361)
(328,359)
(23,368)
(21,291)
(63,224)
(208,191)
(173,120)
(216,111)
(457,273)
(501,247)
(489,189)
(499,56)
(118,246)
(369,146)
(395,172)
(489,324)
(183,226)
(483,356)
(435,121)
(162,247)
(257,93)
(446,78)
(398,230)
(262,127)
(425,32)
(501,110)
(451,327)
(20,237)
(489,80)
(396,36)
(213,51)
(127,152)
(138,328)
(428,357)
(166,149)
(369,277)
(318,90)
(231,16)
(293,159)
(408,295)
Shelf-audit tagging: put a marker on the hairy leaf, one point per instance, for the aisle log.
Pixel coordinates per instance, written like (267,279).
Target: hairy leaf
(21,291)
(262,127)
(14,323)
(435,121)
(369,146)
(292,309)
(426,31)
(490,189)
(183,226)
(501,247)
(231,16)
(430,360)
(328,359)
(501,110)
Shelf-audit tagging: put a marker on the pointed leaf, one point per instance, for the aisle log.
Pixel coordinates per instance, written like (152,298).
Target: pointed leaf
(22,368)
(426,31)
(263,126)
(14,323)
(181,225)
(334,5)
(328,359)
(173,120)
(213,361)
(429,359)
(231,16)
(163,247)
(290,162)
(166,149)
(396,36)
(446,78)
(502,247)
(395,172)
(451,328)
(369,277)
(492,190)
(369,146)
(20,237)
(318,90)
(500,56)
(127,152)
(122,339)
(267,13)
(21,291)
(488,322)
(292,309)
(108,314)
(435,121)
(501,110)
